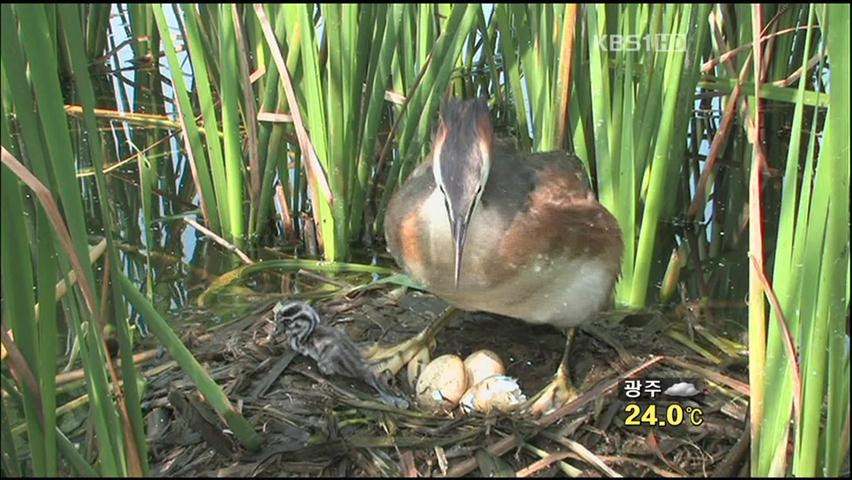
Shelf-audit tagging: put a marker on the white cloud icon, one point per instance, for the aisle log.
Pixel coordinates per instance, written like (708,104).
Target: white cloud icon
(682,389)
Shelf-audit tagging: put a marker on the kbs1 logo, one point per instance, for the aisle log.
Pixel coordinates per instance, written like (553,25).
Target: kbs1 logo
(659,42)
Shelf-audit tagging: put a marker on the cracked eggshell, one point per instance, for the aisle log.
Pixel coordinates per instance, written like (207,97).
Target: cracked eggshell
(442,383)
(498,391)
(482,364)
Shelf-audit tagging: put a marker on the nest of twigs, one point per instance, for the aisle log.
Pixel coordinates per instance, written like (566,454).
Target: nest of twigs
(318,426)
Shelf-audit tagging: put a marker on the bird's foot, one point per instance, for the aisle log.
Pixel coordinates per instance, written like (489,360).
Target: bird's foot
(390,360)
(557,393)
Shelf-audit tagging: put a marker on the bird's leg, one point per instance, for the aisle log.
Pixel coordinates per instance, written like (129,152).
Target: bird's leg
(559,391)
(392,359)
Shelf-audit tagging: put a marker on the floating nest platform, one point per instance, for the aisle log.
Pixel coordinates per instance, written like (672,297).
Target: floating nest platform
(318,426)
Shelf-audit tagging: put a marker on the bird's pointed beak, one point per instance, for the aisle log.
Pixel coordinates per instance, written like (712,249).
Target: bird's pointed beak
(459,233)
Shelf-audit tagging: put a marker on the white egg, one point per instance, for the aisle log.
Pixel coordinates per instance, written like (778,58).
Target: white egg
(442,384)
(483,364)
(498,391)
